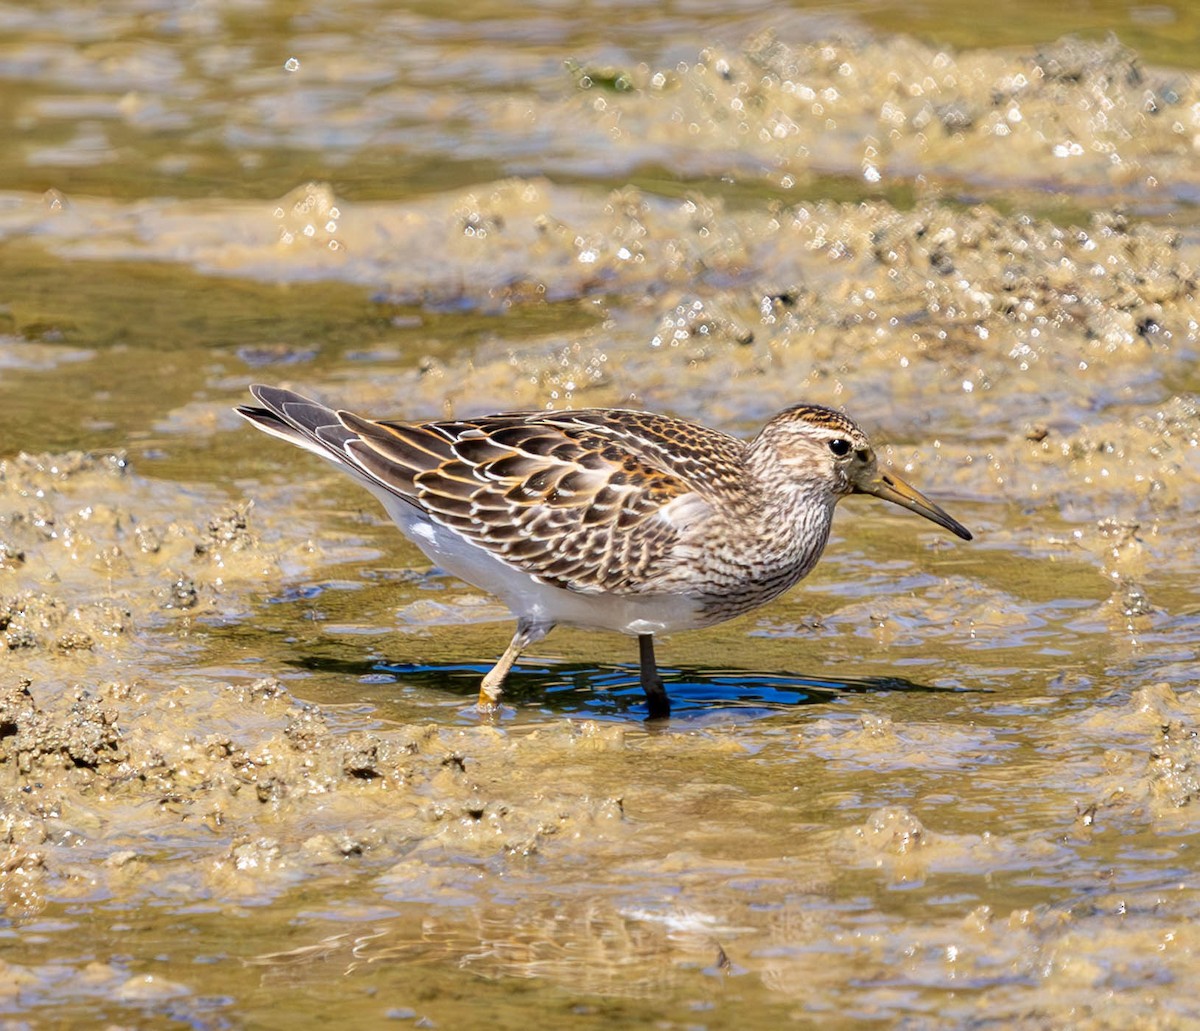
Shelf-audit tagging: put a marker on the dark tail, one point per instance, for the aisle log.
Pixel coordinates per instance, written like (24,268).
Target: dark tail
(298,420)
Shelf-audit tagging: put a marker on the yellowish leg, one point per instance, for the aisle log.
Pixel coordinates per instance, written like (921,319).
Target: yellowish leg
(492,686)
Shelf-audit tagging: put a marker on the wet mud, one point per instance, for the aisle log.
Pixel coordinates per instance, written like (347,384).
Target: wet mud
(242,782)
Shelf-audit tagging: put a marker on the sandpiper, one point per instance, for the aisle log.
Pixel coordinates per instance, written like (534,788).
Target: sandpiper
(605,518)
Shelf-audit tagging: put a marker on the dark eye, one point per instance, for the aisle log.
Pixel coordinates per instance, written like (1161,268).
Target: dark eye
(840,447)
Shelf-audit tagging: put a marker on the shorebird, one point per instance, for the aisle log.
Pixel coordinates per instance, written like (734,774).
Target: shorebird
(605,518)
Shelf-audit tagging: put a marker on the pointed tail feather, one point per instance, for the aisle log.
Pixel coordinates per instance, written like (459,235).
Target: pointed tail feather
(298,420)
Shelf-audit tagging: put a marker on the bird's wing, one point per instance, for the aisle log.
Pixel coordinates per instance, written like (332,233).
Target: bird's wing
(591,500)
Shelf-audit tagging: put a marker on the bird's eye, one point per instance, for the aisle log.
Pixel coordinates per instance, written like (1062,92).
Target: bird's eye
(840,447)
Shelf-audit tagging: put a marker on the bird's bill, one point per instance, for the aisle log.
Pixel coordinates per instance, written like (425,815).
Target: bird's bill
(891,488)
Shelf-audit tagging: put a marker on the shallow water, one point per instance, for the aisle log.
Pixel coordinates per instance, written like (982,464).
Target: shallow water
(243,782)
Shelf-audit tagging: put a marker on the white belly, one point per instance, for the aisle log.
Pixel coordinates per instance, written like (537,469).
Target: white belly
(531,599)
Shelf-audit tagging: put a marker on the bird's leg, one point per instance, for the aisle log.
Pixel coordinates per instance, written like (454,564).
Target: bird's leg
(657,702)
(493,684)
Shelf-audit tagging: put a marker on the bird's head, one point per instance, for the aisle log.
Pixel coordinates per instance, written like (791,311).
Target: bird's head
(822,451)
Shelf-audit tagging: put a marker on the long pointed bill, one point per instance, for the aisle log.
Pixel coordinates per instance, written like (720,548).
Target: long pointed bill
(891,488)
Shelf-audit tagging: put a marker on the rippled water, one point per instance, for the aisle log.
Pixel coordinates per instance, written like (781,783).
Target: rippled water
(940,784)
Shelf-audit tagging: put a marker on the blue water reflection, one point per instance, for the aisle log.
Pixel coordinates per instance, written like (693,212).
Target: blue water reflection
(613,691)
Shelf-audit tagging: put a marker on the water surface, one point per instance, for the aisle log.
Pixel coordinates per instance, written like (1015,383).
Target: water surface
(940,783)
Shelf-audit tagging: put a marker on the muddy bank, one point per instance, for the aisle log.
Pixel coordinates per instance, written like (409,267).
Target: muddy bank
(240,777)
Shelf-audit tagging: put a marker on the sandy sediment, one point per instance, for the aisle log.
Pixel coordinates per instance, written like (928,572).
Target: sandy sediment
(1035,370)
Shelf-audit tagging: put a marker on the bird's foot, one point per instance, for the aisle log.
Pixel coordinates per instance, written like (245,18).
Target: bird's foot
(658,705)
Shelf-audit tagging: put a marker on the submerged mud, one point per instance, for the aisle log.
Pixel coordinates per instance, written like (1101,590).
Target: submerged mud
(241,778)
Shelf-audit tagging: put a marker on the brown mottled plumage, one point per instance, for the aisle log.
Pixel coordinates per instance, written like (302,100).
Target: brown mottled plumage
(606,518)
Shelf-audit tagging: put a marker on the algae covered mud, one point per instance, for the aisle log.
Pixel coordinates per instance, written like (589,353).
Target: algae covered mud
(242,782)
